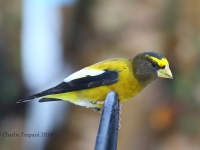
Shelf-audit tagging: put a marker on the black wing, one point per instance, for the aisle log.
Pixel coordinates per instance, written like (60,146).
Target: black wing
(106,78)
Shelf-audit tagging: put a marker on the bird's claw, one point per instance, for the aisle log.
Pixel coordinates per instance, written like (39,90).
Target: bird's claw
(97,109)
(120,112)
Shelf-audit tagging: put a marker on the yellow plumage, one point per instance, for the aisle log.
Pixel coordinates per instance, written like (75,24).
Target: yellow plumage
(90,85)
(126,87)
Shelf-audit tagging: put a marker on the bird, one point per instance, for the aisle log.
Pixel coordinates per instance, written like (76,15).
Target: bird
(126,76)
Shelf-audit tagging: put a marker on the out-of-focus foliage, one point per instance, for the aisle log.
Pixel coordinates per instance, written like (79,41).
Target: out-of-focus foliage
(10,72)
(10,14)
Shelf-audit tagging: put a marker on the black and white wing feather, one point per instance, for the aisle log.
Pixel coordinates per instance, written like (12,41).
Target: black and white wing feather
(83,79)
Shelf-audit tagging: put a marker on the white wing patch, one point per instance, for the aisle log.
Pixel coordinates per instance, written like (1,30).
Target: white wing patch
(83,73)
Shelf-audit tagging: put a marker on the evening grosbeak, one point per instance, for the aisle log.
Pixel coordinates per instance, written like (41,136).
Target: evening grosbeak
(89,86)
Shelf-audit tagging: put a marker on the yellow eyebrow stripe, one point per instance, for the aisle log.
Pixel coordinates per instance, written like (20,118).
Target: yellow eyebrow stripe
(161,62)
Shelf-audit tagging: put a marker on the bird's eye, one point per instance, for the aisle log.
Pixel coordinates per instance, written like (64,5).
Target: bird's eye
(154,64)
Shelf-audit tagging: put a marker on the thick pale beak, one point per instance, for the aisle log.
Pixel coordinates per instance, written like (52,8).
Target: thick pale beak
(165,73)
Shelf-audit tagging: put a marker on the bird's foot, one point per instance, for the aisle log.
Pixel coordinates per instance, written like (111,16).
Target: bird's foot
(120,112)
(120,109)
(119,124)
(99,102)
(97,109)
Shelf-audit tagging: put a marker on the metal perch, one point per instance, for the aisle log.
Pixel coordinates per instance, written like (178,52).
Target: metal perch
(108,128)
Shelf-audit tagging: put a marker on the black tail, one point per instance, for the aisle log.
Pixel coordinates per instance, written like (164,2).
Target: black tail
(37,96)
(41,100)
(30,98)
(54,90)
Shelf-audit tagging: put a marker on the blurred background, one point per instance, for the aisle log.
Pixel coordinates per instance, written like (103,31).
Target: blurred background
(43,41)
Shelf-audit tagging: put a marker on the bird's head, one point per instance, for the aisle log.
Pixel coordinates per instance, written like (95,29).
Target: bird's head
(148,66)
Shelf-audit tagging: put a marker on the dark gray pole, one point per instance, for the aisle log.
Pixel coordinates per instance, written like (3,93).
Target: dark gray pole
(108,128)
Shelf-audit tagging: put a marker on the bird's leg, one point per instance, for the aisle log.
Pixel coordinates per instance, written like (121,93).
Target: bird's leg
(99,102)
(97,109)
